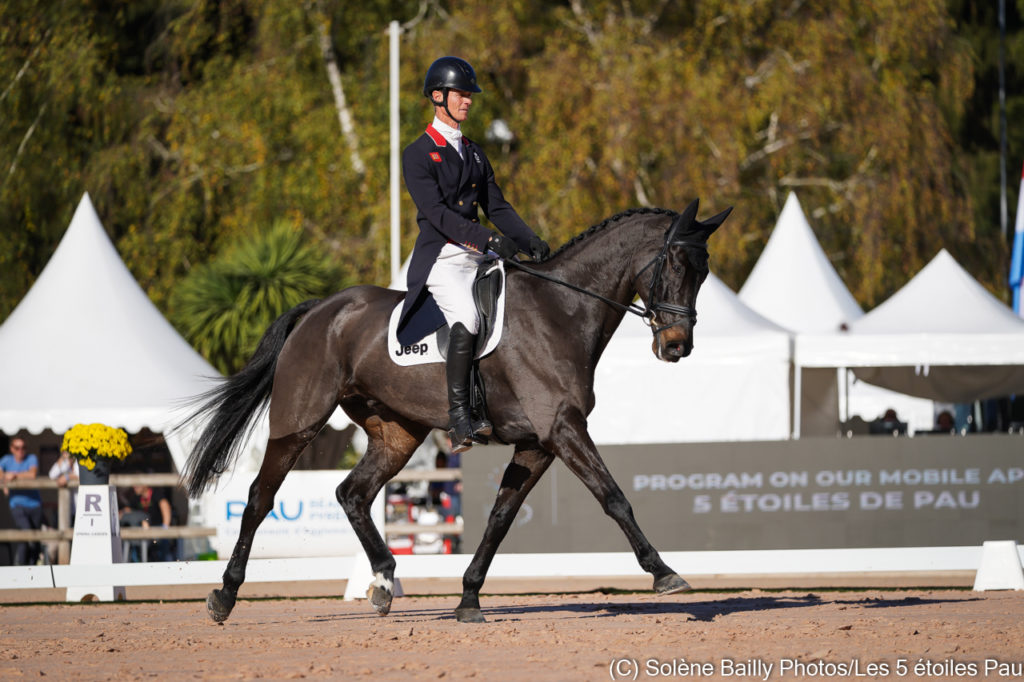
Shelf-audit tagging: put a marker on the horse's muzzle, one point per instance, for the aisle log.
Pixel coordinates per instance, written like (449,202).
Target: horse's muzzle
(671,345)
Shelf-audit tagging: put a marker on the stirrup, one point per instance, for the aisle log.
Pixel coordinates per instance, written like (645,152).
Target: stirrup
(482,428)
(459,446)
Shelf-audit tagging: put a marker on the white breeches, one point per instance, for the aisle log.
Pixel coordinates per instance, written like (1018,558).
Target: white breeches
(451,284)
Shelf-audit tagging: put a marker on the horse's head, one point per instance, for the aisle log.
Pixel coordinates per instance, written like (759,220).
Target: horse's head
(676,273)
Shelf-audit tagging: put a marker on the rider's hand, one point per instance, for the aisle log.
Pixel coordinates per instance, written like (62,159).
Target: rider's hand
(539,249)
(503,246)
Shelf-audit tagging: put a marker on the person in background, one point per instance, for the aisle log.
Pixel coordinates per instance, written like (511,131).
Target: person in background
(26,505)
(446,496)
(148,507)
(944,422)
(65,471)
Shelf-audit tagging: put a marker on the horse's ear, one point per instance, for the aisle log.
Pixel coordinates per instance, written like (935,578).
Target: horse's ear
(714,222)
(684,222)
(689,214)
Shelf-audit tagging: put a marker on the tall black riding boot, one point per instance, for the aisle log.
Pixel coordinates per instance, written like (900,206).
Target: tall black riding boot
(462,427)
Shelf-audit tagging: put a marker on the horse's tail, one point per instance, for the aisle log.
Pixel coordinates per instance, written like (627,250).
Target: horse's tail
(235,405)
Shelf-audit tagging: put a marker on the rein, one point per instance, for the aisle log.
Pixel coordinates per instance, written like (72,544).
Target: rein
(631,308)
(648,312)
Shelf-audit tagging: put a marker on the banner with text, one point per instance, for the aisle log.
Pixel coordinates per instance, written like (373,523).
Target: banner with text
(305,521)
(813,493)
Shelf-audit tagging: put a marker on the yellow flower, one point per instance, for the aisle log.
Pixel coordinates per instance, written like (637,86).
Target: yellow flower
(87,441)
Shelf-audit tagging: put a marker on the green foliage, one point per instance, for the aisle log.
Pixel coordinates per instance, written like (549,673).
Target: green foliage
(224,307)
(190,122)
(349,458)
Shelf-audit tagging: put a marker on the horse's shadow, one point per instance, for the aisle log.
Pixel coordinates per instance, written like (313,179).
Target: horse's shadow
(697,611)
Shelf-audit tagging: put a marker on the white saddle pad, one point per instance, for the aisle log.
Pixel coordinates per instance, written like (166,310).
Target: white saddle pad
(426,350)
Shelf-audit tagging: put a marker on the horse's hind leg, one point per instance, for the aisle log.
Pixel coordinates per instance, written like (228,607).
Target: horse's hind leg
(277,462)
(521,474)
(391,443)
(573,445)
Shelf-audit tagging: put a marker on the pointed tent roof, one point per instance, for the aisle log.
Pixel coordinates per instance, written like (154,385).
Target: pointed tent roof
(793,283)
(86,344)
(942,298)
(942,336)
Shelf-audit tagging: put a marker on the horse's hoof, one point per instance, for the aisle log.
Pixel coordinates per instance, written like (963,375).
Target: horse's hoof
(670,584)
(380,593)
(217,608)
(469,615)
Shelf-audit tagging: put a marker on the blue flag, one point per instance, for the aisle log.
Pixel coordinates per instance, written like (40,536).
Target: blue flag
(1017,259)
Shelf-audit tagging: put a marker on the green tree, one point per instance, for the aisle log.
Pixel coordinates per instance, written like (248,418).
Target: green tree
(224,307)
(978,133)
(189,122)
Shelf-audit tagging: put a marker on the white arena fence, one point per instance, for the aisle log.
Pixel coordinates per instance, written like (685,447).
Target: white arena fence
(919,561)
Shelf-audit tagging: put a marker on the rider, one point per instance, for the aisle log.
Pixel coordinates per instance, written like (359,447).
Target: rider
(449,177)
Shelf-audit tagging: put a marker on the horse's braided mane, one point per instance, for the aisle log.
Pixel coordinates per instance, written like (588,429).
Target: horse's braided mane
(608,221)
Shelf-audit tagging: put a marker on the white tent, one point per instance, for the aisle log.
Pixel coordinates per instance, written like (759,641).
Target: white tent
(793,283)
(942,336)
(733,386)
(87,345)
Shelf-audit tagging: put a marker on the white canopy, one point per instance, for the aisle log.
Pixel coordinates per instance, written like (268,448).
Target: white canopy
(87,345)
(942,336)
(734,386)
(793,284)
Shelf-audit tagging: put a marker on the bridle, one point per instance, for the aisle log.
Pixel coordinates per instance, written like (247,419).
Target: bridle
(648,312)
(655,306)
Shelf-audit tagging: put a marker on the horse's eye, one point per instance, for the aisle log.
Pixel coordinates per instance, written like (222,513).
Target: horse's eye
(677,268)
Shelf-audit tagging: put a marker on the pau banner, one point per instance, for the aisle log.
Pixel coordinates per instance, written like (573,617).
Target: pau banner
(305,521)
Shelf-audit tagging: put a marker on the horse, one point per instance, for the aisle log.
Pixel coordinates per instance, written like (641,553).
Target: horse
(539,380)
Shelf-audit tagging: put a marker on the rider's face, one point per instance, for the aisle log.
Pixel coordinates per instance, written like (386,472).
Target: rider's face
(459,102)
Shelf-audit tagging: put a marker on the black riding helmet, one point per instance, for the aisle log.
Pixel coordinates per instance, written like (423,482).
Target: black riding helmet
(449,73)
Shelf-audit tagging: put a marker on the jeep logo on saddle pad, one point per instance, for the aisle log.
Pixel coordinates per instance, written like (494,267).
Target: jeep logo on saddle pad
(415,349)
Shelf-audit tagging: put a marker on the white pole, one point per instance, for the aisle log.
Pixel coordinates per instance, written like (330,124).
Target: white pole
(797,399)
(396,255)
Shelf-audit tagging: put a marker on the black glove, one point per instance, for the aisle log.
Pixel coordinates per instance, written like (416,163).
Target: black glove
(503,246)
(539,249)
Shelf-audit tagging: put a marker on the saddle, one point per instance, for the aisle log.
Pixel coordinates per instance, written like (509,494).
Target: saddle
(489,295)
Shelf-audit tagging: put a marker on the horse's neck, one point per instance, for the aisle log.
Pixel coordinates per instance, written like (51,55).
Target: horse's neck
(605,263)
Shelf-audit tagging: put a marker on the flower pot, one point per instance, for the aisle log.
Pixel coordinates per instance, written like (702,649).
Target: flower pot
(98,475)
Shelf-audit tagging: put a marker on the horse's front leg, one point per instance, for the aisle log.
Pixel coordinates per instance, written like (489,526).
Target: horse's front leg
(390,446)
(277,462)
(571,442)
(521,474)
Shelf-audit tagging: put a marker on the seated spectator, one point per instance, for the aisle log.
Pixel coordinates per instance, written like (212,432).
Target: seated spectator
(147,507)
(26,505)
(944,422)
(888,424)
(65,469)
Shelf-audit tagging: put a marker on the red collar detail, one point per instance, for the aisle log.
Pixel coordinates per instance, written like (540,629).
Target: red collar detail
(437,137)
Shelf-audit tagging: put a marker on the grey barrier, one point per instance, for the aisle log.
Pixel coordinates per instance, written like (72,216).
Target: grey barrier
(818,493)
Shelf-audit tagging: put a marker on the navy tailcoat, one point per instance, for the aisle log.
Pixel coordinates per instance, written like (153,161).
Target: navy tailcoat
(447,192)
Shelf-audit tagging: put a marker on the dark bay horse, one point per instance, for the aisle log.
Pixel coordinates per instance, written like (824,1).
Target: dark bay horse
(540,388)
